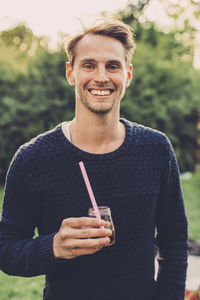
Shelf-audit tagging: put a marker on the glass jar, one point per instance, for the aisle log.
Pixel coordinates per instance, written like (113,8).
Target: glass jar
(105,214)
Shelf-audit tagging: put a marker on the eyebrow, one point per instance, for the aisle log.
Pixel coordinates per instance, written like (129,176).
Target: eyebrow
(91,60)
(114,62)
(88,60)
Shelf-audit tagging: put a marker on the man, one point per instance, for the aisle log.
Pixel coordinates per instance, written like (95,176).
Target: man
(132,169)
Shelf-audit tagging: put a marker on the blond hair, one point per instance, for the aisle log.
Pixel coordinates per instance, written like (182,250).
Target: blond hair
(114,29)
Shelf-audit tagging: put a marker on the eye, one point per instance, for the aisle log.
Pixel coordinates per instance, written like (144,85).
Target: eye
(113,67)
(88,67)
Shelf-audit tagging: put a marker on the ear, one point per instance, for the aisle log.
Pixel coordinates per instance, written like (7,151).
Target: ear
(129,75)
(69,74)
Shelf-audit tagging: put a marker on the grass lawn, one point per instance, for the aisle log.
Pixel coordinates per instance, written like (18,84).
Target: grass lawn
(17,288)
(191,193)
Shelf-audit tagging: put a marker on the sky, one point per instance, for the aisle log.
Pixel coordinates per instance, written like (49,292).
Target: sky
(51,17)
(48,17)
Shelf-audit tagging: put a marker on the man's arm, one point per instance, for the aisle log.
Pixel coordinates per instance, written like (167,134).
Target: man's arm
(23,255)
(172,234)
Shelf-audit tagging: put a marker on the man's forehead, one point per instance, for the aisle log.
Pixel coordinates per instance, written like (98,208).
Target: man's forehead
(98,47)
(92,41)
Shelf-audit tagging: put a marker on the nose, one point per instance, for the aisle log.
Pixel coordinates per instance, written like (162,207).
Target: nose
(101,75)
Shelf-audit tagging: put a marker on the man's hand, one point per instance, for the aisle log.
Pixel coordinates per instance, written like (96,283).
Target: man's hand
(80,236)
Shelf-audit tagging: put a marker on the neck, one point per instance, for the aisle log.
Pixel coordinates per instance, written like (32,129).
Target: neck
(97,133)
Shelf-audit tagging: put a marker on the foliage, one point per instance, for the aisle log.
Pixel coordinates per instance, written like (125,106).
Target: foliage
(34,94)
(165,90)
(164,95)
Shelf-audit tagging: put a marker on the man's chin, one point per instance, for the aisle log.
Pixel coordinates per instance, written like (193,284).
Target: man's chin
(98,108)
(100,111)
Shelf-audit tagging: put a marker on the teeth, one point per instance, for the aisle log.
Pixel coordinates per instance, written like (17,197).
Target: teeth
(100,93)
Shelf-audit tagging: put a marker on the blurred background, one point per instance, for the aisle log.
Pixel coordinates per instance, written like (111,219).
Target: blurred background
(164,94)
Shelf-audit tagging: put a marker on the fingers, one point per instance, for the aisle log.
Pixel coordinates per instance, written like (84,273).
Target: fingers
(86,243)
(80,236)
(84,222)
(71,248)
(77,233)
(84,251)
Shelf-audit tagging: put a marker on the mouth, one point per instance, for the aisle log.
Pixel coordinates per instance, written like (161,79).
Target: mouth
(101,92)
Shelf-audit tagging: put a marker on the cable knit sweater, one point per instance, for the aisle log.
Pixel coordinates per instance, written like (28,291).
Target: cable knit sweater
(139,182)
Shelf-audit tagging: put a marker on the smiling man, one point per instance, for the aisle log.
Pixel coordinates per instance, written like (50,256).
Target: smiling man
(100,73)
(133,170)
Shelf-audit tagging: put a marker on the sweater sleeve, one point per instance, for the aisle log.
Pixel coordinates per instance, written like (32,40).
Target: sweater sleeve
(171,233)
(20,253)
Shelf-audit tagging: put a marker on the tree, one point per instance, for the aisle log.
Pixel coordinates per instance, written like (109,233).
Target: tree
(165,91)
(34,95)
(164,94)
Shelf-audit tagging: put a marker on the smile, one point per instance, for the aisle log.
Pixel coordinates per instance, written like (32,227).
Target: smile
(101,92)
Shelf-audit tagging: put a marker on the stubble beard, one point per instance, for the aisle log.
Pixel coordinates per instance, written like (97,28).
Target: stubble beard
(88,105)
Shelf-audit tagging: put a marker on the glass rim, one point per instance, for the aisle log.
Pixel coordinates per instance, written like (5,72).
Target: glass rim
(99,207)
(103,210)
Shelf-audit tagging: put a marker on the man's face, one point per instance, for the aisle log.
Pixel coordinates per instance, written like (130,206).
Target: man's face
(100,74)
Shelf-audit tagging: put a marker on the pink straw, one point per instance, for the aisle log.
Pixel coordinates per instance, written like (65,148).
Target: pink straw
(89,188)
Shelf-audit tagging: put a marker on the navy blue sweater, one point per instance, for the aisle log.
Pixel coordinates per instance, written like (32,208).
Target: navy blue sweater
(139,182)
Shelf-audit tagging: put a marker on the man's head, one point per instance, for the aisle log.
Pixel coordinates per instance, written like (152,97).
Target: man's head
(114,29)
(100,66)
